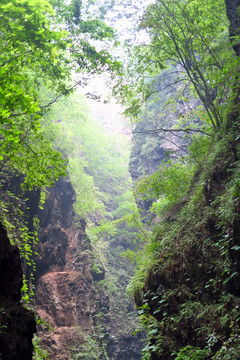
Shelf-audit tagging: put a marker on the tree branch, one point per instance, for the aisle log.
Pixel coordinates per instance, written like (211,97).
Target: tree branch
(186,130)
(60,95)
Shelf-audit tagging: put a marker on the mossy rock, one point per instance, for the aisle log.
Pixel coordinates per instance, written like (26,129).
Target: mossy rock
(98,272)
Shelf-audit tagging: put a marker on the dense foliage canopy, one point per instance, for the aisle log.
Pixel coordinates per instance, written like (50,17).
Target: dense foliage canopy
(41,45)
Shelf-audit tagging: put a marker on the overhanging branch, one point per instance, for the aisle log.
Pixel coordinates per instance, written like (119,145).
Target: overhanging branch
(186,130)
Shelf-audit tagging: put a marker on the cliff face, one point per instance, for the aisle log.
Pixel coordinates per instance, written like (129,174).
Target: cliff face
(151,144)
(17,324)
(191,293)
(190,296)
(64,281)
(70,294)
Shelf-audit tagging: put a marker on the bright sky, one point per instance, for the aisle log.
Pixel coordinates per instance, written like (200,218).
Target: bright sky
(126,17)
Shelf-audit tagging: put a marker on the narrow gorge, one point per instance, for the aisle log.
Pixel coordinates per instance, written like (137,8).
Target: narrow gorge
(119,181)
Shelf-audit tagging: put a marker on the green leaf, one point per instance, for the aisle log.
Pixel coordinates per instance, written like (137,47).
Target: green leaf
(235,247)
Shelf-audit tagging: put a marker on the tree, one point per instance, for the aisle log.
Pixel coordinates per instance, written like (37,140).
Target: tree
(191,229)
(84,22)
(32,54)
(186,34)
(40,49)
(41,45)
(232,9)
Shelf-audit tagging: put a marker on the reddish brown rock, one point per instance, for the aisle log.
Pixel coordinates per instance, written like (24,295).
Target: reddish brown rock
(69,293)
(65,284)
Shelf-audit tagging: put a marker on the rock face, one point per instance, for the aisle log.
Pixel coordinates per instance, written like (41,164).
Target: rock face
(184,290)
(69,292)
(64,280)
(151,146)
(17,324)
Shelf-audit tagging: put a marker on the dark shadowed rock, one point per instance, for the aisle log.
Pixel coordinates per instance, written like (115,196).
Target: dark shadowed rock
(17,324)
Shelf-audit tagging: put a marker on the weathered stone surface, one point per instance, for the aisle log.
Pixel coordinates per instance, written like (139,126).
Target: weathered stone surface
(65,284)
(65,296)
(17,324)
(51,249)
(126,348)
(58,208)
(60,341)
(69,294)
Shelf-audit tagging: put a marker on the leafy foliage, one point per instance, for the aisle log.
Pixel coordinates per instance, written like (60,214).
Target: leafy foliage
(168,185)
(39,354)
(90,348)
(27,60)
(13,216)
(190,352)
(42,44)
(96,160)
(185,286)
(36,54)
(185,34)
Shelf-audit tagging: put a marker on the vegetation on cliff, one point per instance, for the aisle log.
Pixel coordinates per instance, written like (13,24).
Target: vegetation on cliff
(182,79)
(42,44)
(187,283)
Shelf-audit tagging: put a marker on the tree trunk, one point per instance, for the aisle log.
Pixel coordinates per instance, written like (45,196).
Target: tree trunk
(233,13)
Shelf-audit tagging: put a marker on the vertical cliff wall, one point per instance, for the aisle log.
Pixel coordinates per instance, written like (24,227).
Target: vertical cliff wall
(70,293)
(64,283)
(17,324)
(155,139)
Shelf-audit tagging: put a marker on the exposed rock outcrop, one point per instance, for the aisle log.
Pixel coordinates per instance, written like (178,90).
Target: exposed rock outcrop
(64,281)
(154,140)
(69,292)
(17,324)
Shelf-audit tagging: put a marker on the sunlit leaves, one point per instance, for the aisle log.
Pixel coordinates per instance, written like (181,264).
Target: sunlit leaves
(167,186)
(37,52)
(29,47)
